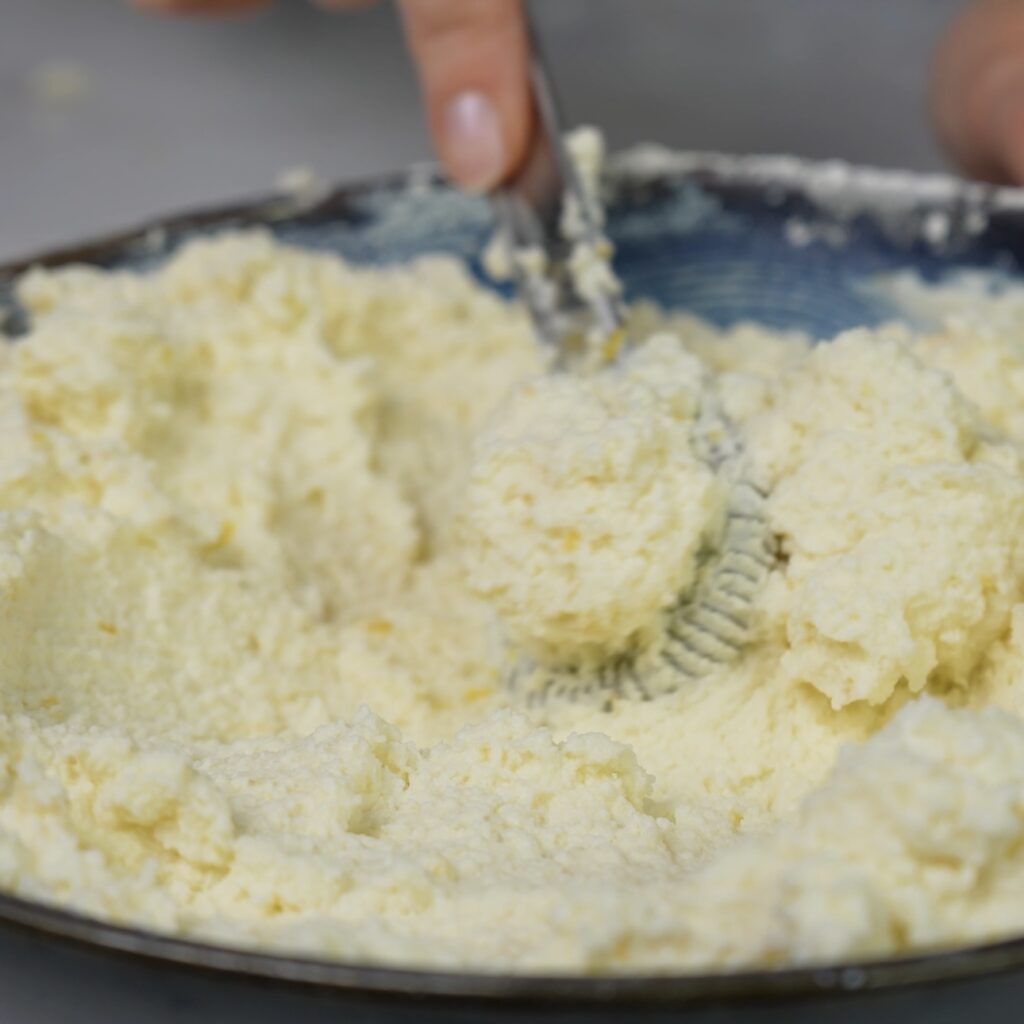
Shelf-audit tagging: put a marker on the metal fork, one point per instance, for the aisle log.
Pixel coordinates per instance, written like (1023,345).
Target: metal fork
(530,208)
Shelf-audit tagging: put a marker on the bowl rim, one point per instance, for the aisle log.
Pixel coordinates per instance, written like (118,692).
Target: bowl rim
(66,927)
(813,179)
(838,188)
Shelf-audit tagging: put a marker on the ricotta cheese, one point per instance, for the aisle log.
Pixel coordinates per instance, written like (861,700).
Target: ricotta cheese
(271,526)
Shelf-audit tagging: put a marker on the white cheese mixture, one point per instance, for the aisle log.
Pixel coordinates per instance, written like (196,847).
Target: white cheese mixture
(270,527)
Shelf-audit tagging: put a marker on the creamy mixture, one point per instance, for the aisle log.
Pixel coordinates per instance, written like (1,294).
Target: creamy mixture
(272,530)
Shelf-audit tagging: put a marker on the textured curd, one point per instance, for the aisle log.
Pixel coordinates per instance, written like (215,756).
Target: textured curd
(270,527)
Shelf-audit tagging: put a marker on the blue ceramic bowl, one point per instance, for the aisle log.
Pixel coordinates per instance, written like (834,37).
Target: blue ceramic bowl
(775,241)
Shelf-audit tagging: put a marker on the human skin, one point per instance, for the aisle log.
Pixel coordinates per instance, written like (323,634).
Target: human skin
(977,90)
(471,60)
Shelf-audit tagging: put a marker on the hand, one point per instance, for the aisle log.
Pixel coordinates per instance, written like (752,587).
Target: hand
(978,90)
(472,61)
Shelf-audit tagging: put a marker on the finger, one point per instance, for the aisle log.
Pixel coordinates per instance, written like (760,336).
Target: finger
(215,7)
(472,61)
(978,90)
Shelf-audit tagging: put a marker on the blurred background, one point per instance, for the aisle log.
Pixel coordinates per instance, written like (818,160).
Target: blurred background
(108,116)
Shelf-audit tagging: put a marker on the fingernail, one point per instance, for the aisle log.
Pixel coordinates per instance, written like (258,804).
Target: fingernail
(472,145)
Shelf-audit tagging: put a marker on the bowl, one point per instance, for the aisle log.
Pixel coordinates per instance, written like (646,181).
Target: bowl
(773,240)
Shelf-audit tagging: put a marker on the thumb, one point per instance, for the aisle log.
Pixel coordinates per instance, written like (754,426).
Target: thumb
(472,57)
(978,90)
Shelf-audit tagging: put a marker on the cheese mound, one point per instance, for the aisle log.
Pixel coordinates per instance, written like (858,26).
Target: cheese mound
(902,521)
(270,526)
(587,505)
